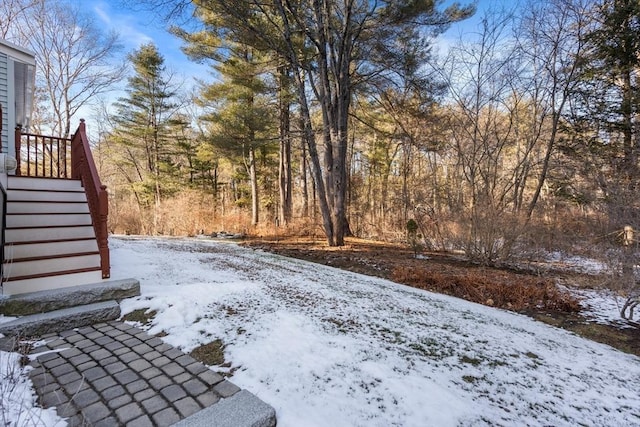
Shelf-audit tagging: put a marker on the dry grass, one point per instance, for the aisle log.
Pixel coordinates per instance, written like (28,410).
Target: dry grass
(143,316)
(525,293)
(187,214)
(210,354)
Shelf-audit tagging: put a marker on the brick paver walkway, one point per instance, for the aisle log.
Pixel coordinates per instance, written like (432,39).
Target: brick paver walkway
(114,374)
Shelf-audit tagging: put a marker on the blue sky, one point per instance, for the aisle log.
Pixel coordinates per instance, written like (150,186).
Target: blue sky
(137,26)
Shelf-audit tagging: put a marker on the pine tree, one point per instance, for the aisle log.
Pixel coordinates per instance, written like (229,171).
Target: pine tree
(611,75)
(241,119)
(142,137)
(329,47)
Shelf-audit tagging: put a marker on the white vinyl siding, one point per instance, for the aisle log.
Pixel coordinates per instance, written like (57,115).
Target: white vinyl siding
(4,99)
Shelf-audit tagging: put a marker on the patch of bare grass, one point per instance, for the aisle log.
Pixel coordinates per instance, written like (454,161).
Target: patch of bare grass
(210,354)
(143,316)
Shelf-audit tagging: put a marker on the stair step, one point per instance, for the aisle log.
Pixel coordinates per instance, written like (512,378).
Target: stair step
(45,196)
(17,270)
(61,320)
(56,299)
(43,234)
(27,250)
(47,220)
(36,284)
(33,183)
(22,207)
(15,260)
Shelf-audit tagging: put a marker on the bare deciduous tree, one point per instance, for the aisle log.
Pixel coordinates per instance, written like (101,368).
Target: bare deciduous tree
(551,41)
(75,59)
(12,12)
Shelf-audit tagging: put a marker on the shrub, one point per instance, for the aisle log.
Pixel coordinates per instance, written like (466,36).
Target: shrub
(412,236)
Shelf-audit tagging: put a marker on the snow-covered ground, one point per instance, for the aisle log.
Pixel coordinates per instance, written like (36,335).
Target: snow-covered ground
(599,305)
(576,263)
(329,347)
(603,306)
(17,397)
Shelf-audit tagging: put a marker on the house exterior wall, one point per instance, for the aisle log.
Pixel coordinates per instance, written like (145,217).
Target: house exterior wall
(9,55)
(4,98)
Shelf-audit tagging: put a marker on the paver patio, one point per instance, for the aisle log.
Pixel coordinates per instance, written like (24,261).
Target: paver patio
(113,374)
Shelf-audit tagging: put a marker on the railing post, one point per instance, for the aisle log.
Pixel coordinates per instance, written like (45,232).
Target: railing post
(18,145)
(76,151)
(103,240)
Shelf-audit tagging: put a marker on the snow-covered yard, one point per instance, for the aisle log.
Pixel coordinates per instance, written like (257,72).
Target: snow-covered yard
(329,347)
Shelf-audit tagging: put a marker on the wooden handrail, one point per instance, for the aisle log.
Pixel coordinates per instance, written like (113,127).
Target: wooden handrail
(84,168)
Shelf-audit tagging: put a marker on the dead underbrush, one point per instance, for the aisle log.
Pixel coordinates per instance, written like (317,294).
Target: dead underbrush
(514,293)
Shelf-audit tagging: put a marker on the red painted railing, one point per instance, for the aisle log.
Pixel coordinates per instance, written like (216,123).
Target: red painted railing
(84,168)
(45,156)
(52,157)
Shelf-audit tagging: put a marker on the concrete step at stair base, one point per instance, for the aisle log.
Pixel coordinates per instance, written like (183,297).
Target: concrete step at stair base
(31,183)
(57,299)
(22,286)
(61,320)
(46,249)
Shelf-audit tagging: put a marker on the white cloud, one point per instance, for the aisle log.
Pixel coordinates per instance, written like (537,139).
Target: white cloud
(124,24)
(102,14)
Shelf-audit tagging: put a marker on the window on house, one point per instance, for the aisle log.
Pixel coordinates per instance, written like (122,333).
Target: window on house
(24,87)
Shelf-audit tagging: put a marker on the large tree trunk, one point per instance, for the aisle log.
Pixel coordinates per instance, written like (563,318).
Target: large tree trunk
(253,177)
(340,163)
(333,90)
(303,179)
(316,169)
(307,127)
(331,83)
(285,151)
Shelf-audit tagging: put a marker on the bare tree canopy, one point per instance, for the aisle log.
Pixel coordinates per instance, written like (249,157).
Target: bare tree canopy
(75,60)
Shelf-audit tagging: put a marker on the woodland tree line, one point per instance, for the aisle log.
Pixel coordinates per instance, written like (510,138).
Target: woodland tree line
(345,117)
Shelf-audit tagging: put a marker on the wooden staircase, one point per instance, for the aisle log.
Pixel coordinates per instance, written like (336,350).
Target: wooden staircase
(50,241)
